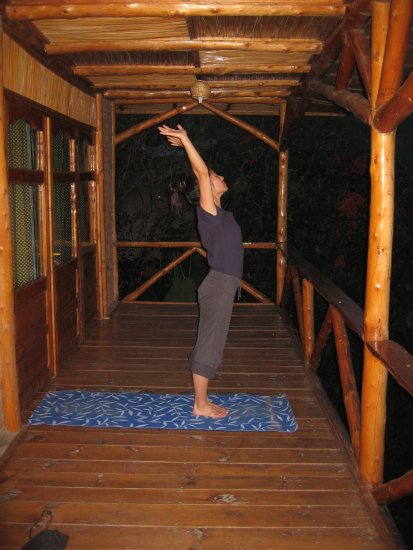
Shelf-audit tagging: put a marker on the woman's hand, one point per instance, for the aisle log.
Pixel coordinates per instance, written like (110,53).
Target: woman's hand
(175,135)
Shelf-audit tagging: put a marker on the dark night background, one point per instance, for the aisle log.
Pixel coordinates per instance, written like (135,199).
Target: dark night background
(328,209)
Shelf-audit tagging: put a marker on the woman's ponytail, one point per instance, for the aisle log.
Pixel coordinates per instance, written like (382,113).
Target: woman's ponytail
(185,190)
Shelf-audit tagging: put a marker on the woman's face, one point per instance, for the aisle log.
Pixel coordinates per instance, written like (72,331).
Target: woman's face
(217,182)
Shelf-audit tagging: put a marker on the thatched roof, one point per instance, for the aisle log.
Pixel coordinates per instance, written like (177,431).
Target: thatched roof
(147,55)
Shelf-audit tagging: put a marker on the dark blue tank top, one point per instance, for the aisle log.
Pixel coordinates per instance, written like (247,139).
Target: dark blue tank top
(222,239)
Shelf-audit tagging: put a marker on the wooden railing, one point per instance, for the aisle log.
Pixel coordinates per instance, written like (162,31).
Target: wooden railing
(191,247)
(343,313)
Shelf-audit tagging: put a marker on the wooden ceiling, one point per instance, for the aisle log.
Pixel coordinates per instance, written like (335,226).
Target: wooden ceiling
(146,56)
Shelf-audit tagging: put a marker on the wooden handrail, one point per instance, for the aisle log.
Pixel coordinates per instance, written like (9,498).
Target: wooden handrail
(397,361)
(351,312)
(184,244)
(344,312)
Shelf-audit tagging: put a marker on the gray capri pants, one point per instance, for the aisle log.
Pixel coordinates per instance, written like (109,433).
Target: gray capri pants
(216,299)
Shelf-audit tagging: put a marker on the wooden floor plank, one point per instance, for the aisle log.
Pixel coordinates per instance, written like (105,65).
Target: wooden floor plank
(150,489)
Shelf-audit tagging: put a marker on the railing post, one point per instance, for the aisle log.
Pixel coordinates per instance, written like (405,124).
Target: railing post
(376,313)
(308,317)
(282,212)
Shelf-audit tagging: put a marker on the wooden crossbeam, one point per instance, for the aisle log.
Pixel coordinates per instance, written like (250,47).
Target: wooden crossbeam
(113,70)
(248,44)
(394,489)
(241,124)
(355,103)
(274,86)
(395,50)
(399,107)
(361,48)
(148,8)
(151,122)
(356,16)
(183,95)
(346,65)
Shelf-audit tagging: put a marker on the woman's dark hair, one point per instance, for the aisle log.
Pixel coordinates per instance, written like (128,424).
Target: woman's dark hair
(185,189)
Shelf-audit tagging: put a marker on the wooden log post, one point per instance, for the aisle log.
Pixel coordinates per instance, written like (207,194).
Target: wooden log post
(9,383)
(308,318)
(100,213)
(282,211)
(298,298)
(348,381)
(376,312)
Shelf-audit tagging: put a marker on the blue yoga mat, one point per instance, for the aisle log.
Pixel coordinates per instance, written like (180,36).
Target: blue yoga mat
(167,411)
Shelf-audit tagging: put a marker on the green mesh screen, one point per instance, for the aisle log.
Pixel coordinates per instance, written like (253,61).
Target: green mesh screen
(84,215)
(21,145)
(24,206)
(62,223)
(61,152)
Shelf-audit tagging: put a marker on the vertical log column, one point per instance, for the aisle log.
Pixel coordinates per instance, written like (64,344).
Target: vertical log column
(282,212)
(373,404)
(9,385)
(100,211)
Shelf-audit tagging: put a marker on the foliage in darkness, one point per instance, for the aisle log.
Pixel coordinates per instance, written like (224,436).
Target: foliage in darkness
(328,212)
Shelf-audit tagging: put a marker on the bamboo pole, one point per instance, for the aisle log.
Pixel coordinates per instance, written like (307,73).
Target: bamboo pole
(346,66)
(158,44)
(118,70)
(321,340)
(9,381)
(308,318)
(232,100)
(131,297)
(241,124)
(183,95)
(152,121)
(148,8)
(282,211)
(100,211)
(376,311)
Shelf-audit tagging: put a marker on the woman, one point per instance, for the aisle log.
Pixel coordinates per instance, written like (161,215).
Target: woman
(221,237)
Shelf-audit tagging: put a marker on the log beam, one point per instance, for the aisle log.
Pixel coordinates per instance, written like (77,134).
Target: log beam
(308,318)
(379,261)
(9,382)
(112,70)
(394,489)
(346,66)
(241,124)
(148,8)
(356,16)
(399,107)
(250,44)
(361,48)
(352,102)
(321,340)
(137,128)
(396,45)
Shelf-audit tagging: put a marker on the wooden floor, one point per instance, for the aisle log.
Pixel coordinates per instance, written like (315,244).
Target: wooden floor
(149,489)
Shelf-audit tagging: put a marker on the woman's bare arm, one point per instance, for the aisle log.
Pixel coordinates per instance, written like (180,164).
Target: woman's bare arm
(178,137)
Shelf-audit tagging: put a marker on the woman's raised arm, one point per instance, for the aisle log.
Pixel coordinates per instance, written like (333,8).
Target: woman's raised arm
(178,137)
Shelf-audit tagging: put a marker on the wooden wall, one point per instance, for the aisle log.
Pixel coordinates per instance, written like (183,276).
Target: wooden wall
(30,306)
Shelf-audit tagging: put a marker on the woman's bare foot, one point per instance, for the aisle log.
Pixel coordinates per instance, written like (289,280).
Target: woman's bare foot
(210,410)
